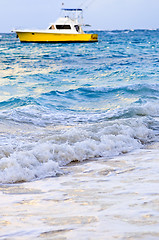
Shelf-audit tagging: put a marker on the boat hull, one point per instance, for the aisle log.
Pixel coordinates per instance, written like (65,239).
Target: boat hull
(40,37)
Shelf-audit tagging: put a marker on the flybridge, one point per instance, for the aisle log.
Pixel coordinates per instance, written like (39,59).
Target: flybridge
(75,14)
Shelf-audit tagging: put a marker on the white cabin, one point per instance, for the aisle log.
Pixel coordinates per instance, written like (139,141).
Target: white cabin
(66,25)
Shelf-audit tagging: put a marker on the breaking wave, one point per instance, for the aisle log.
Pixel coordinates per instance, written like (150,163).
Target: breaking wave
(43,153)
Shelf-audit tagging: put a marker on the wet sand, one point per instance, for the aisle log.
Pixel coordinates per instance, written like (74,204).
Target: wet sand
(114,198)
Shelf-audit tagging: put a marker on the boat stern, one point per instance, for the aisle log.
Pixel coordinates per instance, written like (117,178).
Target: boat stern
(94,37)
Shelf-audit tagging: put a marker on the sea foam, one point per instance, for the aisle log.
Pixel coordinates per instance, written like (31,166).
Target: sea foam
(25,160)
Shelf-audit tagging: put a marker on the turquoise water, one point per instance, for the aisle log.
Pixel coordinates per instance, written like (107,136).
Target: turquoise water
(61,103)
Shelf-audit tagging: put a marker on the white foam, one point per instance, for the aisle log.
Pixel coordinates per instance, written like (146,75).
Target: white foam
(39,116)
(38,155)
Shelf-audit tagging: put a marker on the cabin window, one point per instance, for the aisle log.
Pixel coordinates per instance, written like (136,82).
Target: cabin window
(61,27)
(77,28)
(52,27)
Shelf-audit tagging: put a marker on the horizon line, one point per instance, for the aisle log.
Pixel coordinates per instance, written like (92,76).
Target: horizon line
(107,30)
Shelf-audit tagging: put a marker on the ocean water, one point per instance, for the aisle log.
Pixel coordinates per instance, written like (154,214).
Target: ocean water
(79,142)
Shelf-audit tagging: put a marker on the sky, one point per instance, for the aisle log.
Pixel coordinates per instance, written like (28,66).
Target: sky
(100,14)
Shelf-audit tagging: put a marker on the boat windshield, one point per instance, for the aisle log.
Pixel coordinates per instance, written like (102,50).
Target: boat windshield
(61,27)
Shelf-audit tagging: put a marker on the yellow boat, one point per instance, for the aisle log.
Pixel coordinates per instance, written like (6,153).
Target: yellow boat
(65,30)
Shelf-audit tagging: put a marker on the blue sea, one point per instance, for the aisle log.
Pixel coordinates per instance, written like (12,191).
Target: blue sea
(79,138)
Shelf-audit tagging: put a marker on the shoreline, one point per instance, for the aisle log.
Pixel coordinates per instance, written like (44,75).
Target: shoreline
(113,198)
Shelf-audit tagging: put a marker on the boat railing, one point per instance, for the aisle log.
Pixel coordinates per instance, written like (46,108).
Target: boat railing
(76,14)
